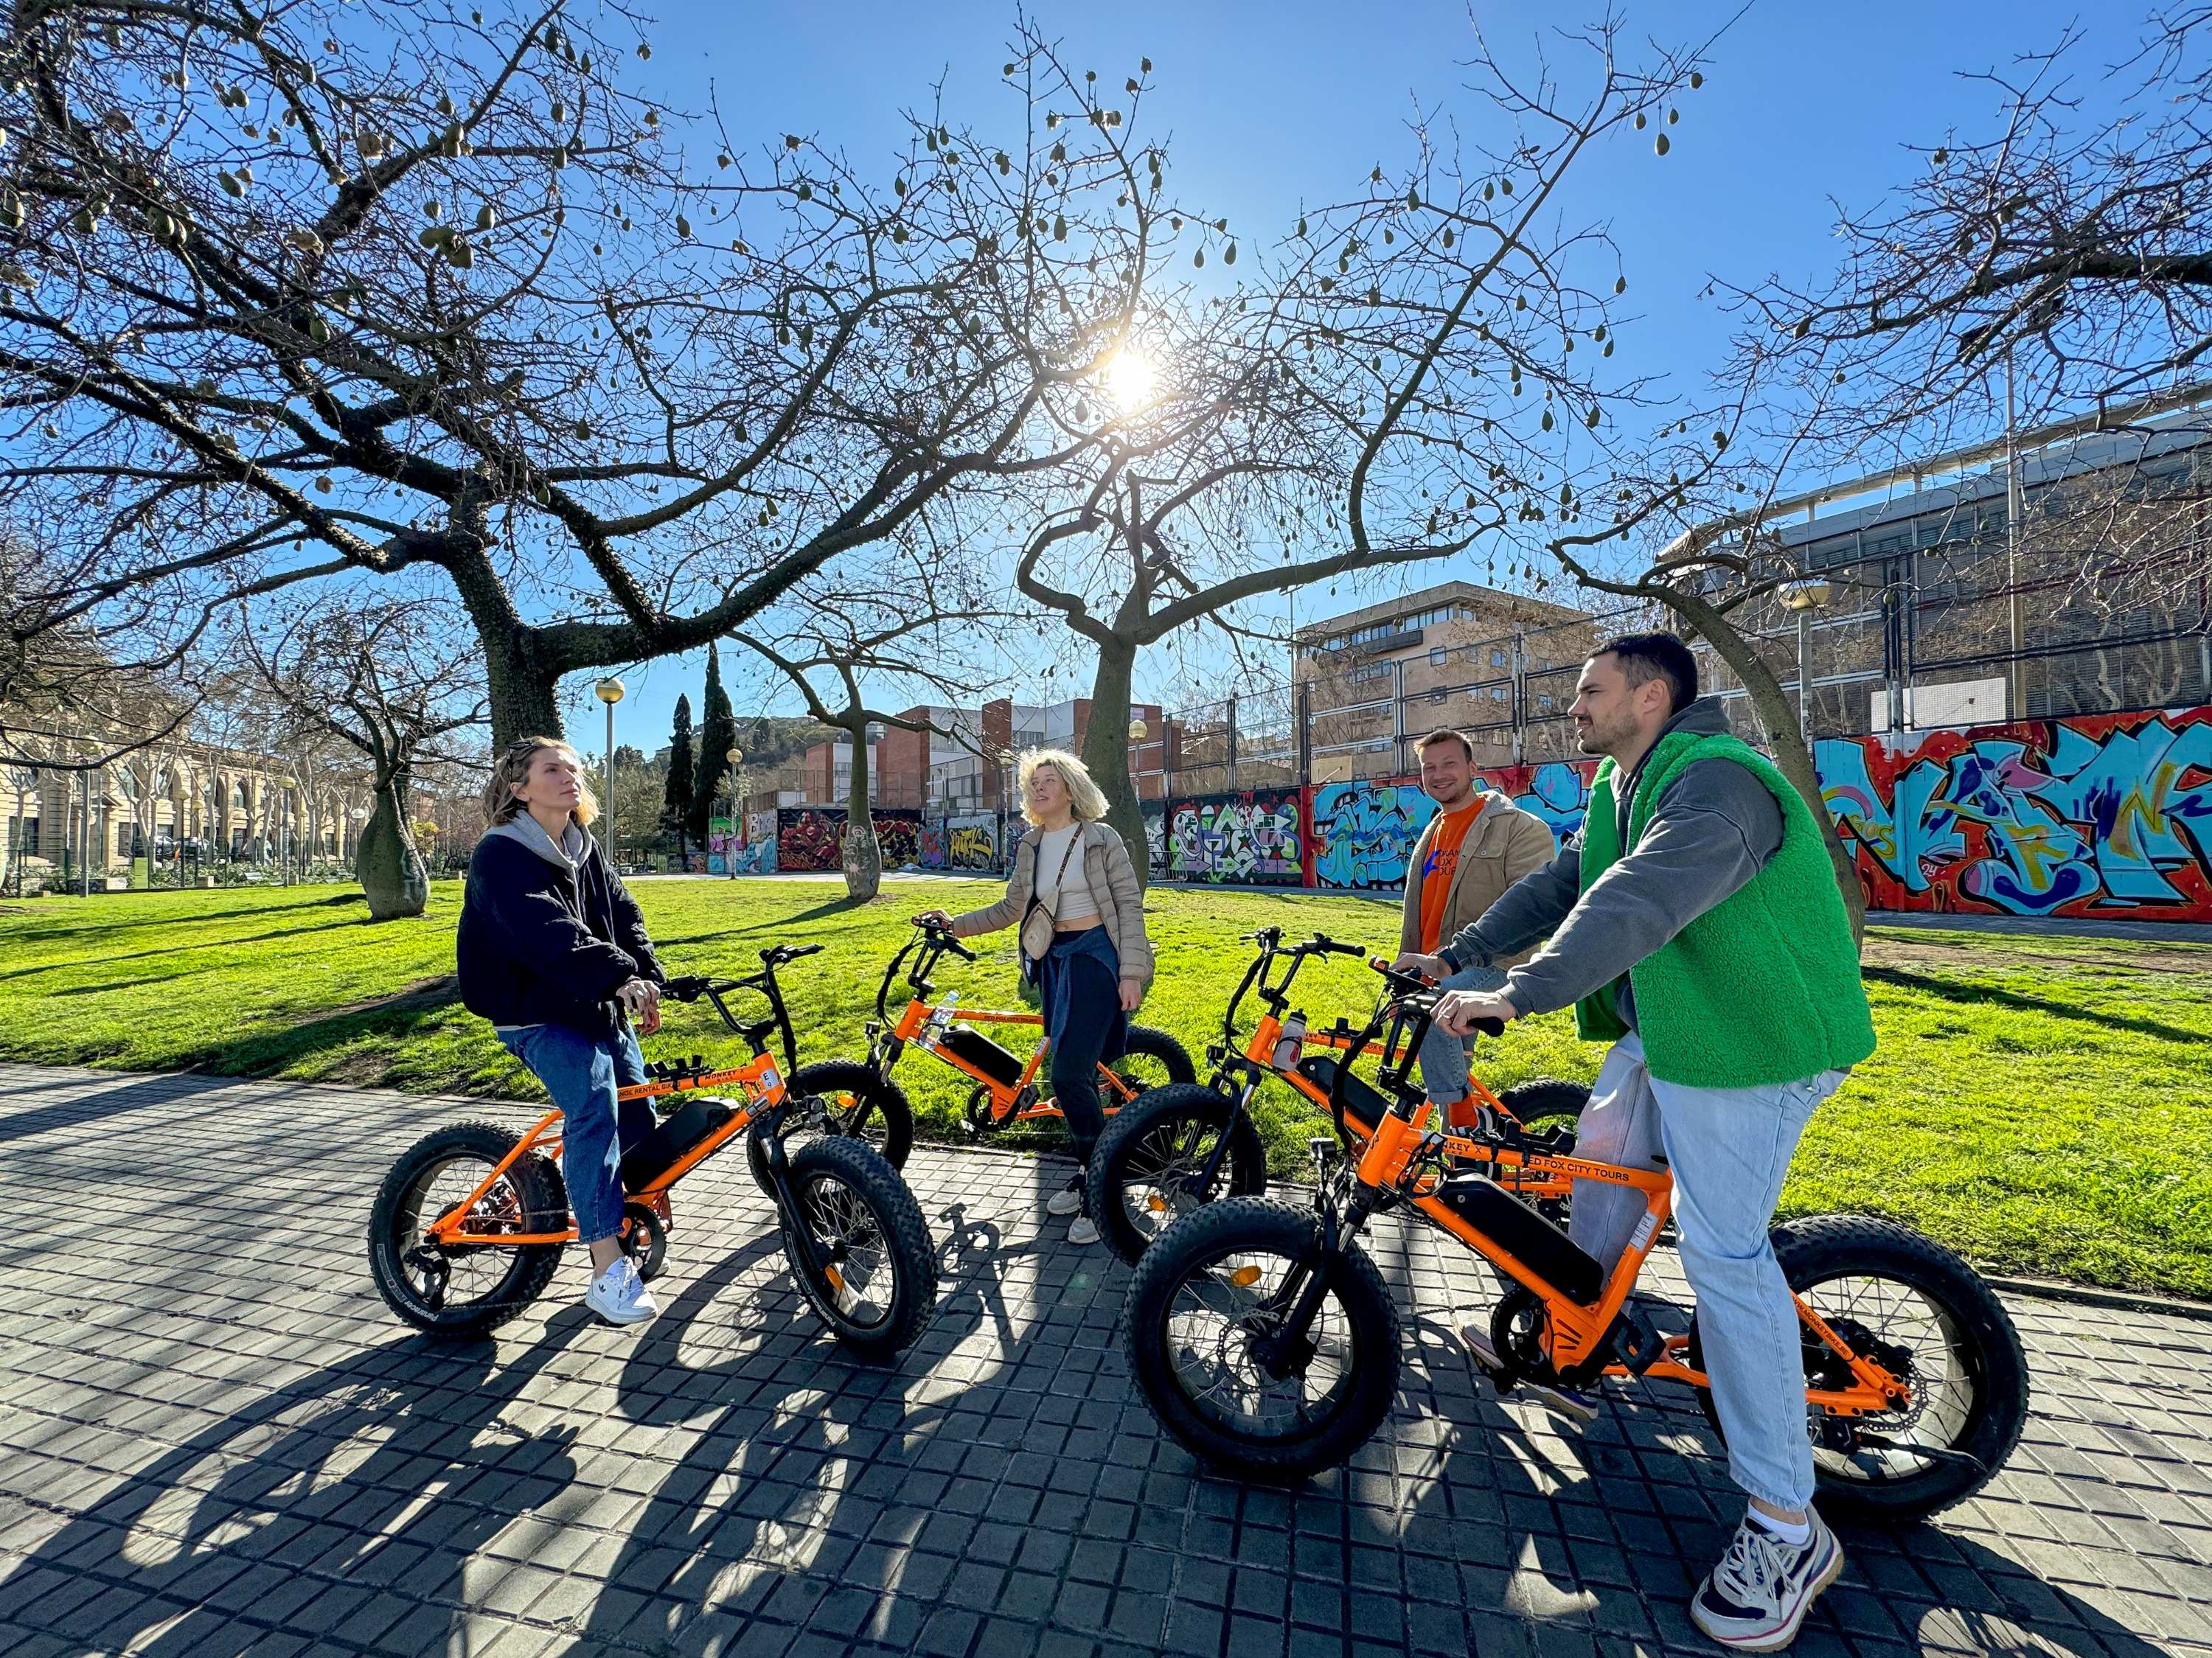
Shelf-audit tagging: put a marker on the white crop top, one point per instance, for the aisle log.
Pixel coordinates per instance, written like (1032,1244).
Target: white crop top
(1070,900)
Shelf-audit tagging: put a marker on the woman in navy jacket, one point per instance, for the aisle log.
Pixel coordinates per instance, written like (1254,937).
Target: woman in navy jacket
(553,951)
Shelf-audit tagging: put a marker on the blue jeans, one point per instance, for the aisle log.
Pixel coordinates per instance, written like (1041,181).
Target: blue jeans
(1081,981)
(1729,1149)
(582,1075)
(1444,1056)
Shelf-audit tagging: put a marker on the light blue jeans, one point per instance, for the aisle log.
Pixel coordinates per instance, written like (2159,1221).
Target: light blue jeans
(1444,1056)
(597,1125)
(1729,1149)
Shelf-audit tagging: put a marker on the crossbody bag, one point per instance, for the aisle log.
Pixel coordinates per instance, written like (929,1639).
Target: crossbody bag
(1037,929)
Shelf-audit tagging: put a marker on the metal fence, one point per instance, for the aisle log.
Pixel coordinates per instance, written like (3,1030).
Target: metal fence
(1960,629)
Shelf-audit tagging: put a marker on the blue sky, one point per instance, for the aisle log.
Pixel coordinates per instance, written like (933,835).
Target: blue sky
(1267,103)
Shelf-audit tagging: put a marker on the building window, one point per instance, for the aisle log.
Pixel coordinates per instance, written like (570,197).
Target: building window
(1498,658)
(1497,693)
(1437,654)
(1371,670)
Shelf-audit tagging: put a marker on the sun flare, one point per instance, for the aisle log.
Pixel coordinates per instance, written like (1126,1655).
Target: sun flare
(1131,377)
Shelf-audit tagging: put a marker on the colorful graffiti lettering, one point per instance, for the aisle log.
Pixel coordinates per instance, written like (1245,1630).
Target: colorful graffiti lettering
(1363,833)
(756,858)
(972,843)
(2102,815)
(1156,836)
(933,854)
(1253,836)
(1557,791)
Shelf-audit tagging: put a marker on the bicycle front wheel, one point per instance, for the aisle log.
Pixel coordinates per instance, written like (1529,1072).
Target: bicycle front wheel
(851,1099)
(1144,1174)
(862,1253)
(1925,1315)
(1210,1293)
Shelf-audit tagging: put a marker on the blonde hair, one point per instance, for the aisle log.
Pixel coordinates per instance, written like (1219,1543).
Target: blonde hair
(512,769)
(1082,793)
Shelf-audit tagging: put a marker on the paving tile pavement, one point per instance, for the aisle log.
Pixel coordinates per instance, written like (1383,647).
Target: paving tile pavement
(214,1439)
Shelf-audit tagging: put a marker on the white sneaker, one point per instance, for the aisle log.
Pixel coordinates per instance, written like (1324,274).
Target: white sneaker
(1083,1229)
(620,1297)
(1560,1399)
(1068,1201)
(1759,1594)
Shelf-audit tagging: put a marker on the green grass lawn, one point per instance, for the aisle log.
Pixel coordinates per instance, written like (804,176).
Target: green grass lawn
(2045,1104)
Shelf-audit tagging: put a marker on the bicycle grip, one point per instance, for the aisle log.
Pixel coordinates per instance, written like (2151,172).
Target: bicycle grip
(956,947)
(795,952)
(687,988)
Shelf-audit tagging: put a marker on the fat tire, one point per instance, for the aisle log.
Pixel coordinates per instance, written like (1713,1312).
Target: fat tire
(1108,1171)
(1825,1247)
(1545,1096)
(881,1097)
(1155,1043)
(544,1200)
(864,1171)
(1260,1223)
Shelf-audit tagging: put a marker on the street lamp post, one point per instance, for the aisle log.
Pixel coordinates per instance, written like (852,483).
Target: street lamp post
(284,829)
(610,691)
(736,757)
(1805,598)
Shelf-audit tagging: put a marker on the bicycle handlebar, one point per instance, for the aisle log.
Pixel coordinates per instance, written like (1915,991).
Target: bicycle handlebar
(938,938)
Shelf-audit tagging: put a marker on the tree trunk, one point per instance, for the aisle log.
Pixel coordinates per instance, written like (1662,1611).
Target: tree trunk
(1778,715)
(522,686)
(1106,751)
(386,862)
(864,859)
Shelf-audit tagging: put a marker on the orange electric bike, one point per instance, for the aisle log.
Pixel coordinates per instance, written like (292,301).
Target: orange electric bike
(1006,1089)
(1188,1143)
(468,1226)
(1265,1340)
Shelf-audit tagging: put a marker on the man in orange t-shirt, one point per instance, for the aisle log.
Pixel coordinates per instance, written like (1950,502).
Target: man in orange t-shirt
(1479,844)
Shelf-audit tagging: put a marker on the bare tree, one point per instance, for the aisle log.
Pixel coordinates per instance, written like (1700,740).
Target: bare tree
(2040,267)
(326,294)
(913,619)
(390,682)
(1396,384)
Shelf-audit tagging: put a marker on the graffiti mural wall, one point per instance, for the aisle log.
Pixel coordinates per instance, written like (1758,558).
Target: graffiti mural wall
(898,836)
(971,841)
(931,855)
(1155,835)
(1363,833)
(1558,791)
(1254,836)
(2097,815)
(754,857)
(810,839)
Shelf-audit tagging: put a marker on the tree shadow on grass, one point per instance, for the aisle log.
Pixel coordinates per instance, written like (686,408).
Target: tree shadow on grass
(171,949)
(778,923)
(407,1013)
(1971,995)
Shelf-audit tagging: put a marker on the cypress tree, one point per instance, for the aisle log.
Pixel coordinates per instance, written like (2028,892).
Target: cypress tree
(675,797)
(715,736)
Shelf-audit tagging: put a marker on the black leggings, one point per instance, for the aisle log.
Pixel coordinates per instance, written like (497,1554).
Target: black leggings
(1094,1010)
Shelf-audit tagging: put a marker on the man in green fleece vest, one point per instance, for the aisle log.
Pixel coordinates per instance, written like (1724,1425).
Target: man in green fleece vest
(1695,923)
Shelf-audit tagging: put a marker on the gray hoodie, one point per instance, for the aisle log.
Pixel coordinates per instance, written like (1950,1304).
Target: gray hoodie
(526,829)
(1713,828)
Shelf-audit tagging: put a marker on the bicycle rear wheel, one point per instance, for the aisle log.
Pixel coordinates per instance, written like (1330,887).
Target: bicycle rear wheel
(464,1289)
(1151,1059)
(1226,1276)
(1924,1314)
(863,1255)
(1154,1148)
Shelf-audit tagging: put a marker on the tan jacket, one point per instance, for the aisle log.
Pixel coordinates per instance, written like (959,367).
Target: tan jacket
(1504,844)
(1121,900)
